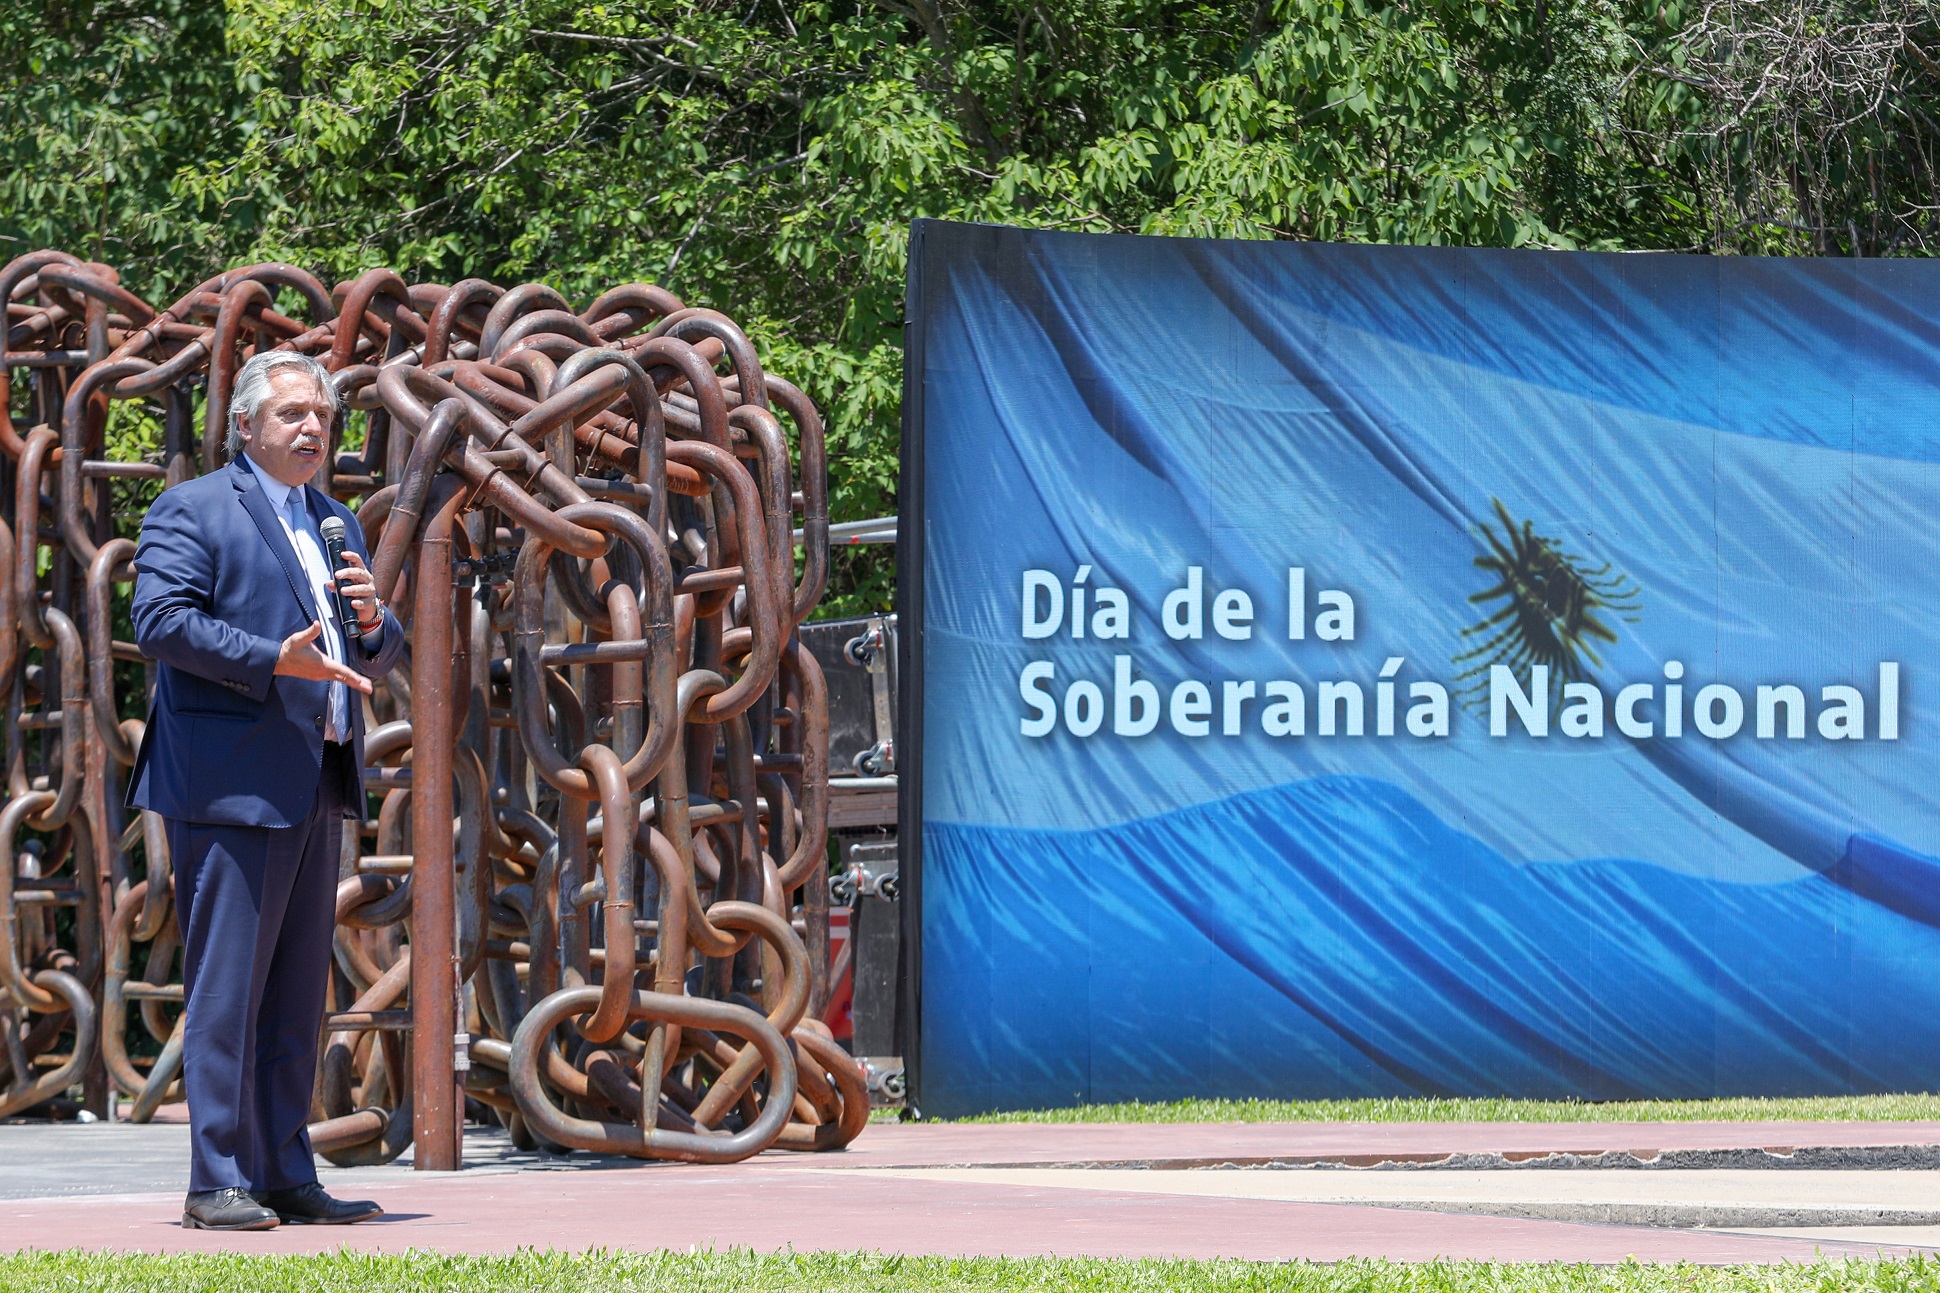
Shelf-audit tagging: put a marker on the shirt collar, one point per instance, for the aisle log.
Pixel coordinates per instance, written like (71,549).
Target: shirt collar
(278,492)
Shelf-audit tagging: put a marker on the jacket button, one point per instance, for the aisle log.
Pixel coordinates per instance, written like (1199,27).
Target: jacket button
(319,722)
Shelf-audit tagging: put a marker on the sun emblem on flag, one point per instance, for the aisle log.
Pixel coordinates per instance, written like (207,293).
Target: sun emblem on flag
(1555,606)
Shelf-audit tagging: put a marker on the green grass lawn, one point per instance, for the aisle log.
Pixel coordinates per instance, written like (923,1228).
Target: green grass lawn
(1861,1108)
(734,1272)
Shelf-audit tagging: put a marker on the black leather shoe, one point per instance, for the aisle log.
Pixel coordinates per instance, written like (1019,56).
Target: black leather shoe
(230,1209)
(308,1205)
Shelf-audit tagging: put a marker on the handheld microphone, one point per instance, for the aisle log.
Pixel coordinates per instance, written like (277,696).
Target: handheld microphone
(333,547)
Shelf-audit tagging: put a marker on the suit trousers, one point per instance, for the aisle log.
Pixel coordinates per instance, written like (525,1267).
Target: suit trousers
(257,907)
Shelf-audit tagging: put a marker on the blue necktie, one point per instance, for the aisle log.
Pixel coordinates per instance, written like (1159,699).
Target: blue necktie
(339,720)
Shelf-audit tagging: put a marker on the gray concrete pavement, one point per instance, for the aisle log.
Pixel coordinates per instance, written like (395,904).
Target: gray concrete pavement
(1729,1199)
(74,1160)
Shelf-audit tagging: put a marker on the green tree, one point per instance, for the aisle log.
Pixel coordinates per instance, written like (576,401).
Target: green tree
(101,105)
(766,157)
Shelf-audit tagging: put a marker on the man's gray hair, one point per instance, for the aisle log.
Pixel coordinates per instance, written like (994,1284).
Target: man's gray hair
(252,389)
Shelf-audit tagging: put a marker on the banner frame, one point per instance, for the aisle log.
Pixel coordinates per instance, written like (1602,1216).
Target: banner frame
(912,486)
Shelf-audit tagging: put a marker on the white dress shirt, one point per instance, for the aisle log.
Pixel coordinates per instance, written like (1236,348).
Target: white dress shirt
(293,511)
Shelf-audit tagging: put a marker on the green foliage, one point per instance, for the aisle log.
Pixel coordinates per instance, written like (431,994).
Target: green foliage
(623,1272)
(102,106)
(766,157)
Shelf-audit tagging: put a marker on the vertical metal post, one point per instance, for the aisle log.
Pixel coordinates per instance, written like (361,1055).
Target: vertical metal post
(437,1122)
(97,1092)
(97,804)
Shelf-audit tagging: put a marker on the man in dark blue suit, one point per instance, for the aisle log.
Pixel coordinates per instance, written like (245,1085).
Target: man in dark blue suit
(254,756)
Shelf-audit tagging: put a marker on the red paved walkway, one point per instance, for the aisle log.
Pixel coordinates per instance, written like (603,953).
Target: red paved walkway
(830,1203)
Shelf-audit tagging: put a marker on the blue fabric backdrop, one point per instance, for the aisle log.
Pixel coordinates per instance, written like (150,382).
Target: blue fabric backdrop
(1738,452)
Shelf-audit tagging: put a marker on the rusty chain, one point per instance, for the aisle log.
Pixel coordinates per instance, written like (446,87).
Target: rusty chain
(592,902)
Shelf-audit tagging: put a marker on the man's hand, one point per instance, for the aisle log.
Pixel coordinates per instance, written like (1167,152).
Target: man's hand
(354,582)
(299,658)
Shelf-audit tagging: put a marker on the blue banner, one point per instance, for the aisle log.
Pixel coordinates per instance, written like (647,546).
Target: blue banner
(1380,671)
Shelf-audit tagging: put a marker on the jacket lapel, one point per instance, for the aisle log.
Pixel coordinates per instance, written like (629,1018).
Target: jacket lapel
(256,503)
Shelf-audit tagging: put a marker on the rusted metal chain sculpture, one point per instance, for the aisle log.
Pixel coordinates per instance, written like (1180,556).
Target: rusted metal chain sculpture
(593,899)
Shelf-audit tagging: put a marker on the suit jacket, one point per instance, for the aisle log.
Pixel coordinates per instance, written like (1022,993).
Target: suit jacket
(218,589)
